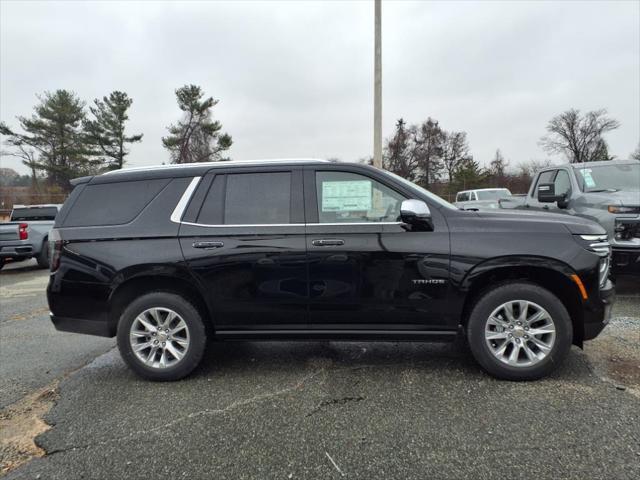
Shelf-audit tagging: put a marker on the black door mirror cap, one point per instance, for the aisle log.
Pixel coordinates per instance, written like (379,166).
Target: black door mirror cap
(416,215)
(547,193)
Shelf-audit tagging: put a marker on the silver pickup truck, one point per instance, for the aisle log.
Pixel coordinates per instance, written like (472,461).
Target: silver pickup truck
(607,192)
(26,235)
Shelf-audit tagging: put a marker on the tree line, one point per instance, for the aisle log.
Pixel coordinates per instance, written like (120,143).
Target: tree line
(63,139)
(440,160)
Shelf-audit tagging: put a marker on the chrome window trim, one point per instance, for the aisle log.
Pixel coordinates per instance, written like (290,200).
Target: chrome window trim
(178,212)
(243,225)
(176,215)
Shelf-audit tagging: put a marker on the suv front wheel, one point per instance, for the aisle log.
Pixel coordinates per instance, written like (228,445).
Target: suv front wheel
(161,336)
(519,331)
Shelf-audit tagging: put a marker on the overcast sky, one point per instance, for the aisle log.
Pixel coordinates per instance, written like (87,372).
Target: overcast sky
(295,79)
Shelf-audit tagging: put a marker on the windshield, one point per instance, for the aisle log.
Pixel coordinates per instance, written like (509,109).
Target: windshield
(427,193)
(609,177)
(34,214)
(493,194)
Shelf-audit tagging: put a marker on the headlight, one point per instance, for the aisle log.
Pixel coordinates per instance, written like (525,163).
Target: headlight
(605,263)
(599,245)
(622,209)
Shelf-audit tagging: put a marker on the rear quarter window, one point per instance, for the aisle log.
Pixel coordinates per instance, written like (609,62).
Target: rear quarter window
(113,203)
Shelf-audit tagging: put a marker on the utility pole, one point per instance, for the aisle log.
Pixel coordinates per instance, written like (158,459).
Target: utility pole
(377,91)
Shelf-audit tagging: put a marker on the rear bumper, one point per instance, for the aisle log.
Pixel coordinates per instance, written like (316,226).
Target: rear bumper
(625,261)
(16,251)
(79,307)
(597,316)
(80,325)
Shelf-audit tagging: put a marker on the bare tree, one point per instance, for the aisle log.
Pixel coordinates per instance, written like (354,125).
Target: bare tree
(428,140)
(455,150)
(22,151)
(578,137)
(528,169)
(399,155)
(636,154)
(498,166)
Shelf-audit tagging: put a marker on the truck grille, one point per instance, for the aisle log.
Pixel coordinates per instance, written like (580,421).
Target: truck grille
(627,230)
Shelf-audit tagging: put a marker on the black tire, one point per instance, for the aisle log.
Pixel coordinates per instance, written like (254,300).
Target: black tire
(43,256)
(197,334)
(493,298)
(2,263)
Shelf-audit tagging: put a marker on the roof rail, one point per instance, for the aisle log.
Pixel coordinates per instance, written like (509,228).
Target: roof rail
(212,164)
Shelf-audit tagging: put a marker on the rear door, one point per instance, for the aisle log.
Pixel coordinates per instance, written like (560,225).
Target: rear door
(243,238)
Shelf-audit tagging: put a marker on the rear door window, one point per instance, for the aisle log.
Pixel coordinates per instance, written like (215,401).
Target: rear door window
(262,198)
(33,214)
(112,203)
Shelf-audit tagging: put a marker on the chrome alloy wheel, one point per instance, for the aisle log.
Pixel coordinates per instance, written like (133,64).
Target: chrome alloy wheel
(520,333)
(159,337)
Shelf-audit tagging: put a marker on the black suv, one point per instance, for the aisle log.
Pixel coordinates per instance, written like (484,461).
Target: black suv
(165,258)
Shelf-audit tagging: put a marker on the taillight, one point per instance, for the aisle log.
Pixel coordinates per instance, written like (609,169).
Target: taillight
(22,231)
(55,249)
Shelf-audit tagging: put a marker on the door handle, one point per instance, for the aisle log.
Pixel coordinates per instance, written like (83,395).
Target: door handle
(208,244)
(327,242)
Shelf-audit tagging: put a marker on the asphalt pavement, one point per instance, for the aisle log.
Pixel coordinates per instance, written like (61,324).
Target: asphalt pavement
(319,409)
(32,352)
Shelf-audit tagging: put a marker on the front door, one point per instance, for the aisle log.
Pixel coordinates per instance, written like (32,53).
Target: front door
(366,270)
(243,239)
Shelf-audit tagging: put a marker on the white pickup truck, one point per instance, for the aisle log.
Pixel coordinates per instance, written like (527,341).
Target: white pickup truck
(26,235)
(481,198)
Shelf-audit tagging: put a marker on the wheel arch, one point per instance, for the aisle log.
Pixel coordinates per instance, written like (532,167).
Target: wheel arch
(547,273)
(126,290)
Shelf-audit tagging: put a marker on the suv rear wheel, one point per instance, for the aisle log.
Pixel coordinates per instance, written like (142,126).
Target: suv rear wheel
(519,331)
(161,336)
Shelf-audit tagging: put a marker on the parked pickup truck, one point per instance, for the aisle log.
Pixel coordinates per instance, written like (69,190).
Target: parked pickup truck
(26,235)
(607,192)
(480,199)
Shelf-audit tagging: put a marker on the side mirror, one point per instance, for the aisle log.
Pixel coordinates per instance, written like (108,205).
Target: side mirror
(416,213)
(547,193)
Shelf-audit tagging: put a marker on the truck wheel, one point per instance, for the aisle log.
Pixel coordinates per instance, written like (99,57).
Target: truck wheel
(43,256)
(161,336)
(519,331)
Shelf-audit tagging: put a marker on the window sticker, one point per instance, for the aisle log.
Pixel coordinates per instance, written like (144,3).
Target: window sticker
(588,179)
(346,196)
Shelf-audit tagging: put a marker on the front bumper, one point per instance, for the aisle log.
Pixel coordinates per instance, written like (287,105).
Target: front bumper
(597,316)
(625,261)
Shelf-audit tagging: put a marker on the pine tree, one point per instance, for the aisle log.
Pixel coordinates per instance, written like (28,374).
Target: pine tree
(107,130)
(55,136)
(196,138)
(468,174)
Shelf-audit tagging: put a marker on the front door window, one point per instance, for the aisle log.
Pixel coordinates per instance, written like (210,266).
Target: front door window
(345,197)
